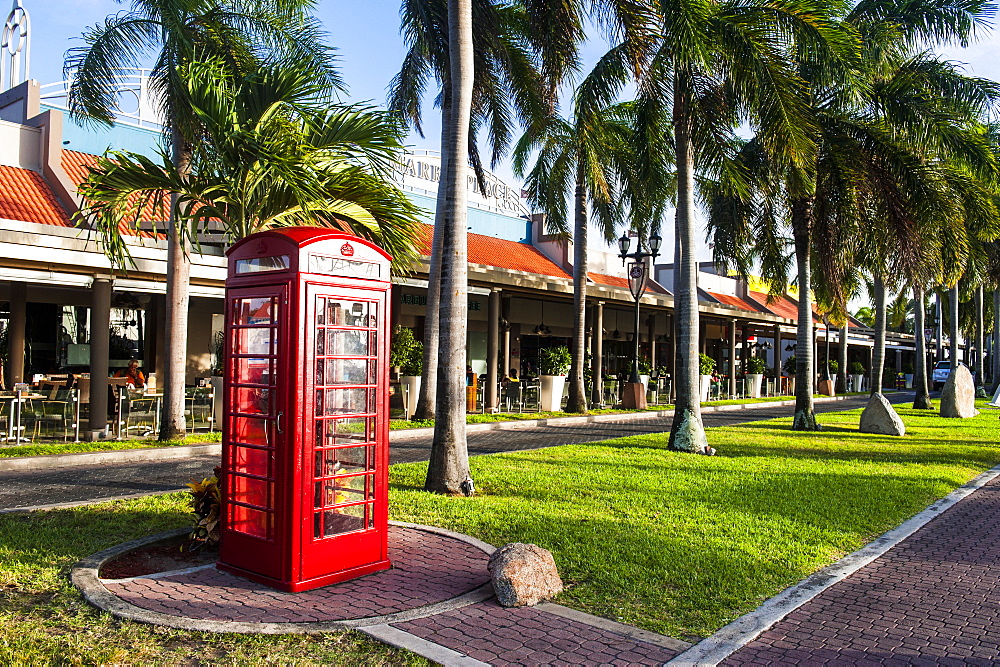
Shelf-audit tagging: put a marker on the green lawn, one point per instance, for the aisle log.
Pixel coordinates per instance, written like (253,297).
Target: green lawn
(43,448)
(683,544)
(675,543)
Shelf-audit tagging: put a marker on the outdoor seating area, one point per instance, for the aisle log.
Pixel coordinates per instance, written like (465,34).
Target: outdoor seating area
(56,408)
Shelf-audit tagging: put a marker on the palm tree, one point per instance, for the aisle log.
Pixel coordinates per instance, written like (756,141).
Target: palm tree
(448,471)
(506,86)
(178,32)
(878,124)
(714,65)
(276,151)
(583,158)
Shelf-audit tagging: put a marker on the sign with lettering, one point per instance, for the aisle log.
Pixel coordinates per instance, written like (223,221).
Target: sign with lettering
(422,171)
(421,300)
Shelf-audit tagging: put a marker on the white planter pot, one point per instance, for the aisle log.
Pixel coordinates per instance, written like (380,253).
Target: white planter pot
(551,393)
(706,387)
(856,381)
(909,380)
(410,385)
(755,380)
(644,379)
(216,382)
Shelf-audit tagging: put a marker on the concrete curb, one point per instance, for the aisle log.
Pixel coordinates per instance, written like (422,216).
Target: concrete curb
(731,638)
(84,577)
(108,456)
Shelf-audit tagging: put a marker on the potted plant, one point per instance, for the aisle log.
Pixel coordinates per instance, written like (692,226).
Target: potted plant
(406,355)
(645,371)
(553,364)
(754,369)
(789,367)
(857,372)
(908,375)
(706,366)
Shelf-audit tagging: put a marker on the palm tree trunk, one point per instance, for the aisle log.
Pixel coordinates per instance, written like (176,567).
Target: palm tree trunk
(577,395)
(922,397)
(996,339)
(176,315)
(448,471)
(687,433)
(805,414)
(432,312)
(878,351)
(842,356)
(953,333)
(980,341)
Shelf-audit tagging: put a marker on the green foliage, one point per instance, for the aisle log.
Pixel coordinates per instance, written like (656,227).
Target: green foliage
(274,150)
(706,364)
(789,366)
(834,366)
(755,366)
(406,352)
(554,360)
(857,368)
(206,505)
(645,366)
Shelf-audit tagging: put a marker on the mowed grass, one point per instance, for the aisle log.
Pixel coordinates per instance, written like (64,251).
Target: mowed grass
(675,543)
(44,620)
(683,544)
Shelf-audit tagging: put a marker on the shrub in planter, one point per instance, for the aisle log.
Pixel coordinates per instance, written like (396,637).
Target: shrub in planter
(857,368)
(645,366)
(206,503)
(706,364)
(755,366)
(834,366)
(554,361)
(406,352)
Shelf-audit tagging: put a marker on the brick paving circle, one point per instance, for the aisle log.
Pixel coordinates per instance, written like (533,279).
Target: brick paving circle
(492,634)
(932,599)
(427,568)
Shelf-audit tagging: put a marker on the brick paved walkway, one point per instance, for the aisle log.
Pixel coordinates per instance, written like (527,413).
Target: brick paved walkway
(426,568)
(430,571)
(933,599)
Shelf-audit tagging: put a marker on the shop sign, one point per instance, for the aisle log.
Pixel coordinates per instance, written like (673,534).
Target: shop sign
(421,300)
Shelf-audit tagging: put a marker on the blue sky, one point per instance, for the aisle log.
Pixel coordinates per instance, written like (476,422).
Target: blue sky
(367,36)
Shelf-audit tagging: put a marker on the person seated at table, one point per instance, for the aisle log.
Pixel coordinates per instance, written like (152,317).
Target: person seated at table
(135,377)
(512,377)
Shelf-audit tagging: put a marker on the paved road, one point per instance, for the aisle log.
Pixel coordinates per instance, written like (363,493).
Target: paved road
(92,483)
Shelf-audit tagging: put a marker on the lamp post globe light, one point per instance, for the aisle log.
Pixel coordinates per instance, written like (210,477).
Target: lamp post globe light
(637,277)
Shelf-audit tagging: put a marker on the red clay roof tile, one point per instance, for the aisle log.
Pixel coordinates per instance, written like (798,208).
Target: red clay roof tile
(501,253)
(25,196)
(735,301)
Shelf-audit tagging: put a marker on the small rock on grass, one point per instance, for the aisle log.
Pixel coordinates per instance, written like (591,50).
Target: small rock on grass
(523,575)
(958,399)
(880,417)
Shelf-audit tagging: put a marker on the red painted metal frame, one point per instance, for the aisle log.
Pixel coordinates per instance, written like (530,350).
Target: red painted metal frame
(293,559)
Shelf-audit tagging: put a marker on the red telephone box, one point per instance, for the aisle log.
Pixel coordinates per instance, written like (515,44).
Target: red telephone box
(305,438)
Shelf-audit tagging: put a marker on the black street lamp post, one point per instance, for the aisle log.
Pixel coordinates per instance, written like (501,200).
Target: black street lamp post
(637,276)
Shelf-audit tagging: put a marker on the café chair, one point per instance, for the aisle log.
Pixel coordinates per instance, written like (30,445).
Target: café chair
(140,413)
(56,412)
